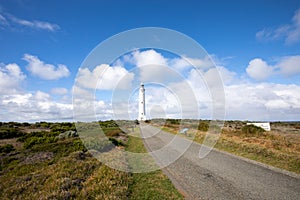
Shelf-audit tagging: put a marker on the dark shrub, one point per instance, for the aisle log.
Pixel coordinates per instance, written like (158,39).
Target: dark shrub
(29,142)
(252,130)
(116,142)
(113,132)
(203,126)
(9,132)
(6,148)
(78,145)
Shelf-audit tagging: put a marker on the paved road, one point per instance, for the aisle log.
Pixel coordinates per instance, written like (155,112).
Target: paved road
(219,175)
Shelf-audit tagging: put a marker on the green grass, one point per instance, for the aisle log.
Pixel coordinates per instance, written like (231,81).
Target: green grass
(152,185)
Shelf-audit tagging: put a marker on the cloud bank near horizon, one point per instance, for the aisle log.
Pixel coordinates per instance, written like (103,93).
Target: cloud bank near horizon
(247,97)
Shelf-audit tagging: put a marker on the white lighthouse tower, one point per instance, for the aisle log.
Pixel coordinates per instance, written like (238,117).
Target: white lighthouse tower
(142,110)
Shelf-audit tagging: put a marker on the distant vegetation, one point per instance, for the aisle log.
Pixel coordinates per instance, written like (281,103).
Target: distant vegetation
(9,130)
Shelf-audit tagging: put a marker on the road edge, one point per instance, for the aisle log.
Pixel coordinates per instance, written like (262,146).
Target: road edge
(270,167)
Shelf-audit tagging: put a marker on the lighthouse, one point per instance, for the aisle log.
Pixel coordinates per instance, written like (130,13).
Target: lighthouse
(142,111)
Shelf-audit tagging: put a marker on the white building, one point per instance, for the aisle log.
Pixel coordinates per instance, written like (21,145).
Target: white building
(265,125)
(142,110)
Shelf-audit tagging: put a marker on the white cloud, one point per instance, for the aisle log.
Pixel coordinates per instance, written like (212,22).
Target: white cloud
(11,20)
(151,65)
(11,78)
(36,106)
(3,20)
(43,70)
(154,67)
(287,66)
(290,32)
(259,69)
(244,100)
(227,76)
(104,77)
(149,57)
(59,91)
(186,62)
(263,101)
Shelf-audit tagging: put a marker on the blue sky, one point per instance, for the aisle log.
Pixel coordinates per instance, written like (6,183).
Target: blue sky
(256,44)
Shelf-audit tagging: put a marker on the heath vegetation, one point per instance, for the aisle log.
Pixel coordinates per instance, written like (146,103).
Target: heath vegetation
(49,161)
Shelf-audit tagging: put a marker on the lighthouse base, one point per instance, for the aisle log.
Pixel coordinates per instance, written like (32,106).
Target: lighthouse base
(142,118)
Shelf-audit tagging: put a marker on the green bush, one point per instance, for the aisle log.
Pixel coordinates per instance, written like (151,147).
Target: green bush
(116,142)
(173,121)
(78,145)
(112,132)
(62,127)
(203,126)
(9,132)
(98,144)
(6,148)
(38,140)
(252,130)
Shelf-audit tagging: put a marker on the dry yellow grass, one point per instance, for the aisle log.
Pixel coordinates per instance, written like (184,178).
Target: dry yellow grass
(279,150)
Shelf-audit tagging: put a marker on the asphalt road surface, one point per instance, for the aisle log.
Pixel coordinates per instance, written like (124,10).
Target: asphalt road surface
(217,176)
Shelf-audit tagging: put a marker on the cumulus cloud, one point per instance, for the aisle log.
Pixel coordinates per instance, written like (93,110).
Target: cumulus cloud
(287,66)
(151,64)
(11,78)
(244,100)
(149,57)
(7,20)
(35,106)
(104,77)
(186,62)
(43,70)
(59,91)
(289,32)
(259,69)
(263,101)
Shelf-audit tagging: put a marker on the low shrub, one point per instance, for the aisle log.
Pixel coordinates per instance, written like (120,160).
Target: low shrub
(116,142)
(9,132)
(38,140)
(6,148)
(112,132)
(203,126)
(252,130)
(79,146)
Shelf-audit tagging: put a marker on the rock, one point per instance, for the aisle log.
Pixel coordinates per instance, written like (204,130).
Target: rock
(68,134)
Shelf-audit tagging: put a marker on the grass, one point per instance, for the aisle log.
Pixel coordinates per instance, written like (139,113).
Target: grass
(49,168)
(152,185)
(271,148)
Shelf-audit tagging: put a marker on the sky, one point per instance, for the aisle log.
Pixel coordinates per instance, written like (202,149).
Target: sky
(253,45)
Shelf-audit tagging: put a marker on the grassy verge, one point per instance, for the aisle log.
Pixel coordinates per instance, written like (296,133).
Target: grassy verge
(265,147)
(152,185)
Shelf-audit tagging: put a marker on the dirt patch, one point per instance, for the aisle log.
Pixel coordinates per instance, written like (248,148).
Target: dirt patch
(33,130)
(12,141)
(38,157)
